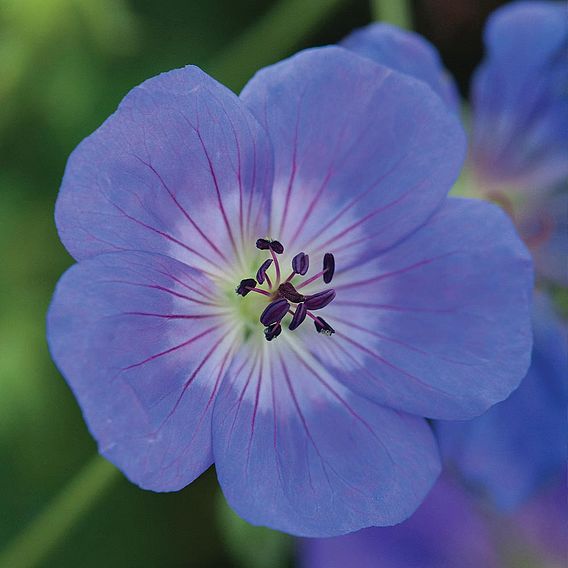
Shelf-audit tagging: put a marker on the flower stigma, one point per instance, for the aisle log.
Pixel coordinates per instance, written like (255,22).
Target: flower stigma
(281,297)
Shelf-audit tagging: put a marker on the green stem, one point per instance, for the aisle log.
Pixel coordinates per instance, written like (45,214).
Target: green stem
(36,541)
(270,38)
(395,12)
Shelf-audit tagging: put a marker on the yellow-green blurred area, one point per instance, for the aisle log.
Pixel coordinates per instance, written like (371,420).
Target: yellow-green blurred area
(64,67)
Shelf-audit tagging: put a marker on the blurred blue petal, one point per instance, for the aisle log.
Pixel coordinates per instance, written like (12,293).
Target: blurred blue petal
(519,444)
(520,97)
(543,522)
(543,225)
(446,531)
(406,52)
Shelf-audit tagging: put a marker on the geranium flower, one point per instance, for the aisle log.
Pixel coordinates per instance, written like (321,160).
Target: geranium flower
(411,305)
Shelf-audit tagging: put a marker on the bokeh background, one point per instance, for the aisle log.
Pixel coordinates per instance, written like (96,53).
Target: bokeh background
(64,67)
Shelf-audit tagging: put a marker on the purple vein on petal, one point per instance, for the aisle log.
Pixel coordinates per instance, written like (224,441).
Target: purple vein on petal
(190,380)
(390,307)
(218,192)
(241,396)
(176,316)
(294,167)
(324,462)
(182,209)
(390,364)
(201,292)
(168,237)
(255,410)
(358,198)
(334,165)
(404,344)
(164,289)
(394,272)
(172,349)
(370,215)
(343,402)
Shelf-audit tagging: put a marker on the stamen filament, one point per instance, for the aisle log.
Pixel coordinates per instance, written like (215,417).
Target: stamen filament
(264,292)
(276,266)
(310,280)
(315,318)
(268,281)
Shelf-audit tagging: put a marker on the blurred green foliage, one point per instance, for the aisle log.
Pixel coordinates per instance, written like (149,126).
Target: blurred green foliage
(64,66)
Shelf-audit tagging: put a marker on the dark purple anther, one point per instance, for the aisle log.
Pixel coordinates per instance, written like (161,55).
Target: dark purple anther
(262,244)
(298,317)
(328,266)
(277,247)
(261,272)
(301,263)
(274,312)
(320,300)
(323,327)
(266,244)
(244,287)
(288,291)
(272,331)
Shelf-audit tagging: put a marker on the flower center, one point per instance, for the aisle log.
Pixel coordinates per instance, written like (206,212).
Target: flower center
(283,297)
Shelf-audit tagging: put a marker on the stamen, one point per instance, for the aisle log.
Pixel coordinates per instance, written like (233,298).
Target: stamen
(274,312)
(272,331)
(301,263)
(265,244)
(245,286)
(320,300)
(288,291)
(298,317)
(282,295)
(261,272)
(322,326)
(328,267)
